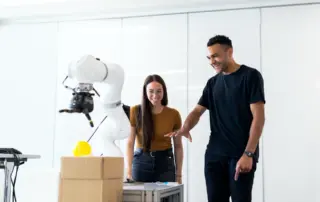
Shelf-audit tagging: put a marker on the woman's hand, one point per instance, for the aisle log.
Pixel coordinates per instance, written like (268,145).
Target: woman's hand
(179,179)
(129,175)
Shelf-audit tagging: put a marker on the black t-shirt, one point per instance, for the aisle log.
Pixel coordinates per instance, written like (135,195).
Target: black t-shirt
(228,99)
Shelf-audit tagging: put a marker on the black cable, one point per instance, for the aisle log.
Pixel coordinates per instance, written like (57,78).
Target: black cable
(17,163)
(14,197)
(96,129)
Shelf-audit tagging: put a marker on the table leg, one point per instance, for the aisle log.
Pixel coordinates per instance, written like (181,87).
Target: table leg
(8,169)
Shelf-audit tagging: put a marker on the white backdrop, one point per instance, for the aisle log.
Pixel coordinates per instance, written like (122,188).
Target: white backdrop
(173,46)
(291,70)
(28,79)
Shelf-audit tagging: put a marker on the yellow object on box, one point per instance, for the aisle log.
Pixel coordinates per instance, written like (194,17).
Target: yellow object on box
(82,148)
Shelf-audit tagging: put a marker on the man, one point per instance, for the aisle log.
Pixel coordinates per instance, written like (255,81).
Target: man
(235,100)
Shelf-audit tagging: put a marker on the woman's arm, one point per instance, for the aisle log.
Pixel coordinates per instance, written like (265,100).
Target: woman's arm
(131,141)
(130,150)
(178,151)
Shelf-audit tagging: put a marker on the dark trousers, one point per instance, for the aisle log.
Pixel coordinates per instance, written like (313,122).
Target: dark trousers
(219,176)
(156,166)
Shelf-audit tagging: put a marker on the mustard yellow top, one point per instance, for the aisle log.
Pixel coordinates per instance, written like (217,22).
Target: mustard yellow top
(165,122)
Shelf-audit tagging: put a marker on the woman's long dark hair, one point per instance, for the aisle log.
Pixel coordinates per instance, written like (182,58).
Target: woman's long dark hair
(144,115)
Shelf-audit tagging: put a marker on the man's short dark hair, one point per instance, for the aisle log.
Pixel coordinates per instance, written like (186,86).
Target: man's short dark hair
(220,39)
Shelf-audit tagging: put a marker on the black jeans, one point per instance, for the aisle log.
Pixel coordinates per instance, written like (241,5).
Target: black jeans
(156,166)
(219,176)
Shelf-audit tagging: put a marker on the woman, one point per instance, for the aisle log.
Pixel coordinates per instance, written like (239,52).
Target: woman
(153,159)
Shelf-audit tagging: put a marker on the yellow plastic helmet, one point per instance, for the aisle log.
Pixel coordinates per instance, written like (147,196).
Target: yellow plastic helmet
(82,148)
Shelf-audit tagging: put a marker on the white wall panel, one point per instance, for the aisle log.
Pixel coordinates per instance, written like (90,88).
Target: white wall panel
(28,79)
(101,39)
(242,26)
(291,69)
(28,64)
(156,45)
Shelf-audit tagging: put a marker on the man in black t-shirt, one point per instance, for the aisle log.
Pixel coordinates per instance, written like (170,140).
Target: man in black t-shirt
(235,100)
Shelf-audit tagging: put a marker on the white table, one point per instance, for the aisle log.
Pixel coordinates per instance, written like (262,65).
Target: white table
(8,162)
(153,192)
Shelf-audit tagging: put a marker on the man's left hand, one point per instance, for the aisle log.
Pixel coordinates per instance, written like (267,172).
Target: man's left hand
(180,132)
(244,165)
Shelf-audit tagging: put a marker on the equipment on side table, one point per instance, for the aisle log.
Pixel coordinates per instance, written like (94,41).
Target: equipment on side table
(11,158)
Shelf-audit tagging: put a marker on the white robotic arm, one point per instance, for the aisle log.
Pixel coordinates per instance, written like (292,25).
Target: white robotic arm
(87,71)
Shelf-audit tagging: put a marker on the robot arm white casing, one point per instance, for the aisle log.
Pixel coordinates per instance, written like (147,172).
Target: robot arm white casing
(89,70)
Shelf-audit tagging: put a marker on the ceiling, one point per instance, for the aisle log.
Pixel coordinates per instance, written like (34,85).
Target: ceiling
(22,9)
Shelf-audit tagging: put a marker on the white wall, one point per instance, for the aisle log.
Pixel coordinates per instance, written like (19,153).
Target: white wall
(290,68)
(28,65)
(282,48)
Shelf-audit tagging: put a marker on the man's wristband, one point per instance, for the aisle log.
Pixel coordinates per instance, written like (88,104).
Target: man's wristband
(249,154)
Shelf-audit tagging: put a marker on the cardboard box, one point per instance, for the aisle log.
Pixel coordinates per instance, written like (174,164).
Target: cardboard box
(92,167)
(91,179)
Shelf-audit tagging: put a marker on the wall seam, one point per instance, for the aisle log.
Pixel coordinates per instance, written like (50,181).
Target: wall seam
(55,97)
(262,139)
(187,53)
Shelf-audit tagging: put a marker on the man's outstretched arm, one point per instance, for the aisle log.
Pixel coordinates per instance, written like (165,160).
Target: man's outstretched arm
(193,118)
(190,122)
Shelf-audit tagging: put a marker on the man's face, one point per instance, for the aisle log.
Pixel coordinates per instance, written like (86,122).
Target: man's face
(219,56)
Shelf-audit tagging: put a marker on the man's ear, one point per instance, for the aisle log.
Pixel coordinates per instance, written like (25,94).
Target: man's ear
(230,52)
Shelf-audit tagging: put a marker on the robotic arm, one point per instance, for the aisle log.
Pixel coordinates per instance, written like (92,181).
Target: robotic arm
(87,71)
